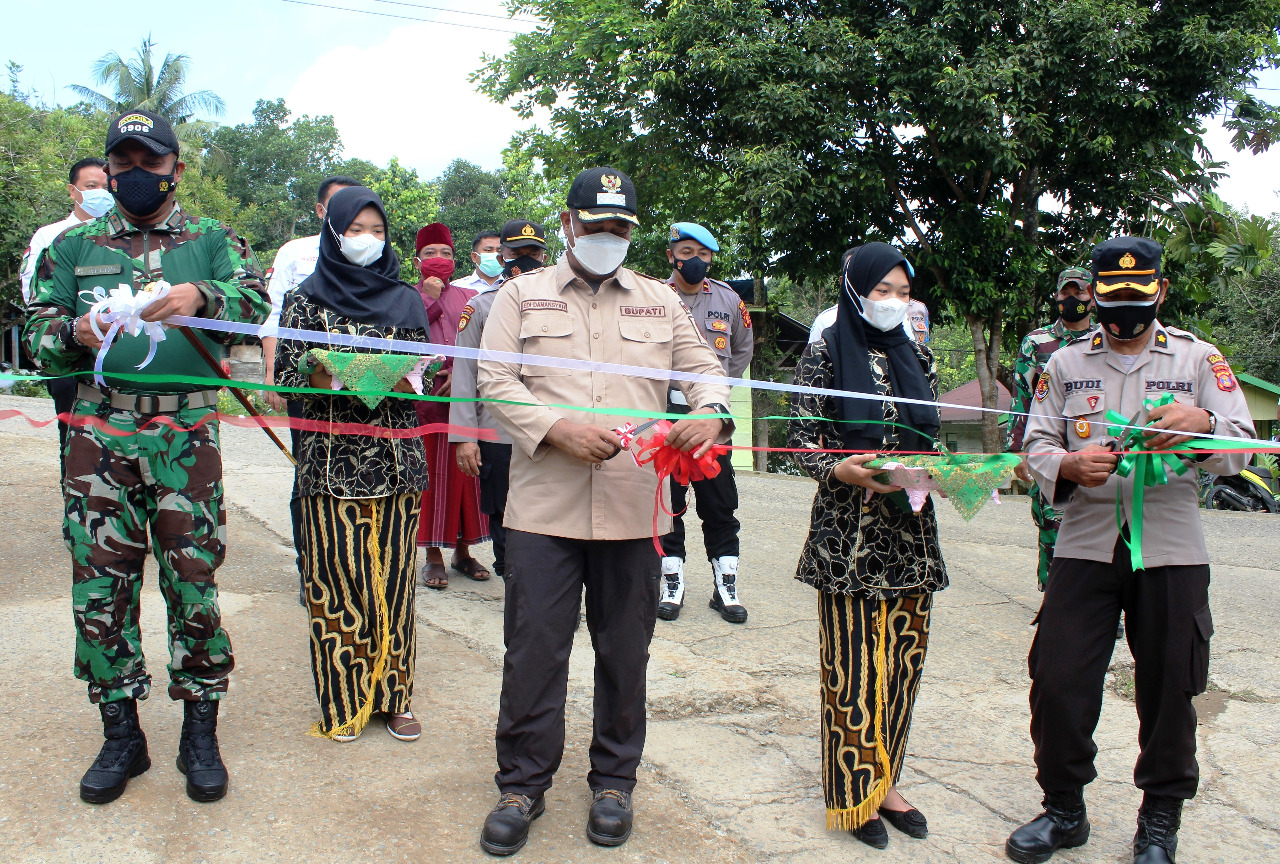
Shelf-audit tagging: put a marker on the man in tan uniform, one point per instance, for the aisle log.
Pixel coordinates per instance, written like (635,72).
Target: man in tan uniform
(1166,603)
(577,517)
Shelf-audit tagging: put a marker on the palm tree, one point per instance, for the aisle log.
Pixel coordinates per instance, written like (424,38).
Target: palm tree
(140,83)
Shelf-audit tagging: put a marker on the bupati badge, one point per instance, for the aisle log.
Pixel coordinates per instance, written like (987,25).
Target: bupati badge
(1082,428)
(721,343)
(1042,387)
(467,312)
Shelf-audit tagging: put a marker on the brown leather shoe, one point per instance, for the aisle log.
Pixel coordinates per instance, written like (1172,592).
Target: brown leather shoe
(404,727)
(433,576)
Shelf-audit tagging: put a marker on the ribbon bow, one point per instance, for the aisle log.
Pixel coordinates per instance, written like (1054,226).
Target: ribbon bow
(1146,468)
(673,462)
(122,310)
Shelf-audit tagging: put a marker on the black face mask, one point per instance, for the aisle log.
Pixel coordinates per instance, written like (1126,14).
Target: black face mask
(692,270)
(1073,309)
(1127,322)
(139,191)
(525,263)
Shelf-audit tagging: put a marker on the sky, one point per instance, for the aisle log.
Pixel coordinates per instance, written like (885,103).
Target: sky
(395,87)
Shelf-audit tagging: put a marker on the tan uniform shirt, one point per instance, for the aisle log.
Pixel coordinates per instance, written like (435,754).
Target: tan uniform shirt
(1084,380)
(632,319)
(472,415)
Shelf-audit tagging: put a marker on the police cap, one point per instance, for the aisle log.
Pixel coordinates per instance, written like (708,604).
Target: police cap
(598,194)
(1127,262)
(518,233)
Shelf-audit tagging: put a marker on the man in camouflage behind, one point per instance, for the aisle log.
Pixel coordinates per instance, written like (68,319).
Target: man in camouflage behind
(144,453)
(1073,299)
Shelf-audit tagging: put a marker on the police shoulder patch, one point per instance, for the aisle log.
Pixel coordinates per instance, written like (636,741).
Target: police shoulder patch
(745,313)
(467,312)
(1042,387)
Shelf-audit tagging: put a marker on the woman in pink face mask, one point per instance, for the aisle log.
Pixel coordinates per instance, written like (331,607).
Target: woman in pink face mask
(451,516)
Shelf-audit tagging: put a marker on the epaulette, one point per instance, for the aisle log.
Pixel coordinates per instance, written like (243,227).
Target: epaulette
(1185,334)
(654,278)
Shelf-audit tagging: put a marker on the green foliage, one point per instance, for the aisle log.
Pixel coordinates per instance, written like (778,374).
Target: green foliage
(140,83)
(1245,322)
(410,204)
(37,144)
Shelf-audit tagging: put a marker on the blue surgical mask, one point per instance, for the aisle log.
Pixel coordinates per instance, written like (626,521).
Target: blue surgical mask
(96,202)
(489,264)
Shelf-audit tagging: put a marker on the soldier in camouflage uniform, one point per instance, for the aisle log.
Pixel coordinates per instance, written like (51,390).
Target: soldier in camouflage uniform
(1073,298)
(145,455)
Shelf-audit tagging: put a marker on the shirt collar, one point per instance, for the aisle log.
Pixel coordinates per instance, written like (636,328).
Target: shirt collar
(566,277)
(171,224)
(706,287)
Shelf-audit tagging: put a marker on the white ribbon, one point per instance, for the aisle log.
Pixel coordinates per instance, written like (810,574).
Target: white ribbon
(122,310)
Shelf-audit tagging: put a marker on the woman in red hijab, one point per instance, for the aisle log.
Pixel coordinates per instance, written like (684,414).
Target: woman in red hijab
(451,517)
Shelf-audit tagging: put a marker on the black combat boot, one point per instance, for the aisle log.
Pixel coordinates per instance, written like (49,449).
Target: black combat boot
(506,828)
(123,754)
(1157,837)
(1062,825)
(609,822)
(198,755)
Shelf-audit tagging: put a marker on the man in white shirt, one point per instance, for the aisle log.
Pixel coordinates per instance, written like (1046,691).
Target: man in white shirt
(487,261)
(294,262)
(87,187)
(90,173)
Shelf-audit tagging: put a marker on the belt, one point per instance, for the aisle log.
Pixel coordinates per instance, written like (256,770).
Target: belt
(148,403)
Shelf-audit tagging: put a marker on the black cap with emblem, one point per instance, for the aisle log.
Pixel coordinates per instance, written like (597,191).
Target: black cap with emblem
(603,193)
(518,233)
(150,130)
(1127,262)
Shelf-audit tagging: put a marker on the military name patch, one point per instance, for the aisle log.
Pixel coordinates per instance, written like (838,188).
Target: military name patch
(1070,387)
(99,270)
(557,305)
(1172,386)
(467,312)
(721,343)
(1042,387)
(643,311)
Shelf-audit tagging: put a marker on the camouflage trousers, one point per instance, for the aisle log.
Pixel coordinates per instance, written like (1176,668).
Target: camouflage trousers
(1048,521)
(162,481)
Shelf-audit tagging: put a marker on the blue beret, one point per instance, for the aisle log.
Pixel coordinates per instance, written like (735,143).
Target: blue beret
(694,231)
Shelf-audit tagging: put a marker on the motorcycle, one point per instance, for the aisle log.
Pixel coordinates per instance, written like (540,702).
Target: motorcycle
(1255,489)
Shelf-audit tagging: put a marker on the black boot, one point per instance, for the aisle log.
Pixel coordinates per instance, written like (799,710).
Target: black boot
(123,754)
(198,755)
(1157,837)
(1062,825)
(506,828)
(610,819)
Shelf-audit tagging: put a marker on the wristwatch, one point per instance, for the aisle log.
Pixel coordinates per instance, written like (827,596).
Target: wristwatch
(718,408)
(68,335)
(1213,422)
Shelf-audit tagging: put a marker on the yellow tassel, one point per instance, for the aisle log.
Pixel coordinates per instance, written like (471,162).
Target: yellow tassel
(356,724)
(855,817)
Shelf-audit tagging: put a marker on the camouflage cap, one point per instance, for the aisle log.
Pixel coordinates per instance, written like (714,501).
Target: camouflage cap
(1074,274)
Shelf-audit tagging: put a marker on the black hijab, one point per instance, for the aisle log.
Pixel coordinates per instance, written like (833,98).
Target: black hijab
(370,295)
(847,342)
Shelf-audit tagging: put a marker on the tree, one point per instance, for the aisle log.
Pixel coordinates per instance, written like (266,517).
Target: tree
(37,145)
(1002,138)
(140,83)
(274,166)
(411,203)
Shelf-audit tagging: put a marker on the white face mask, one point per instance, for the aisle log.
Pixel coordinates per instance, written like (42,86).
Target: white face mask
(96,202)
(362,249)
(601,254)
(884,314)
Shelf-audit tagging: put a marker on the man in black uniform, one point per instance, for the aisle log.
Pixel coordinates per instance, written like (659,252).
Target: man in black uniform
(1161,585)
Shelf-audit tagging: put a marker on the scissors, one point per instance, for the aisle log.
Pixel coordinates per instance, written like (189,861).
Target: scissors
(629,435)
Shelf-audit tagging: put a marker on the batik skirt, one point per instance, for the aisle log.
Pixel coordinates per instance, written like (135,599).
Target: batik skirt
(872,653)
(451,504)
(358,571)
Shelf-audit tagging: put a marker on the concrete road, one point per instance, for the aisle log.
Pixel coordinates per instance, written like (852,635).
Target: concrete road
(731,770)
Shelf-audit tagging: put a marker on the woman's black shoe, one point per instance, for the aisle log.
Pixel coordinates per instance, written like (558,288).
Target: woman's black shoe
(873,833)
(910,822)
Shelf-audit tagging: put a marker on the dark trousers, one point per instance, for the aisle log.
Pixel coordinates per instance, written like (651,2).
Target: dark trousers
(715,500)
(1168,625)
(545,579)
(294,408)
(495,480)
(63,391)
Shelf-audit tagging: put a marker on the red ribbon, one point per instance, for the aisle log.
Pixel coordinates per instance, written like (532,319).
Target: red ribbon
(673,462)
